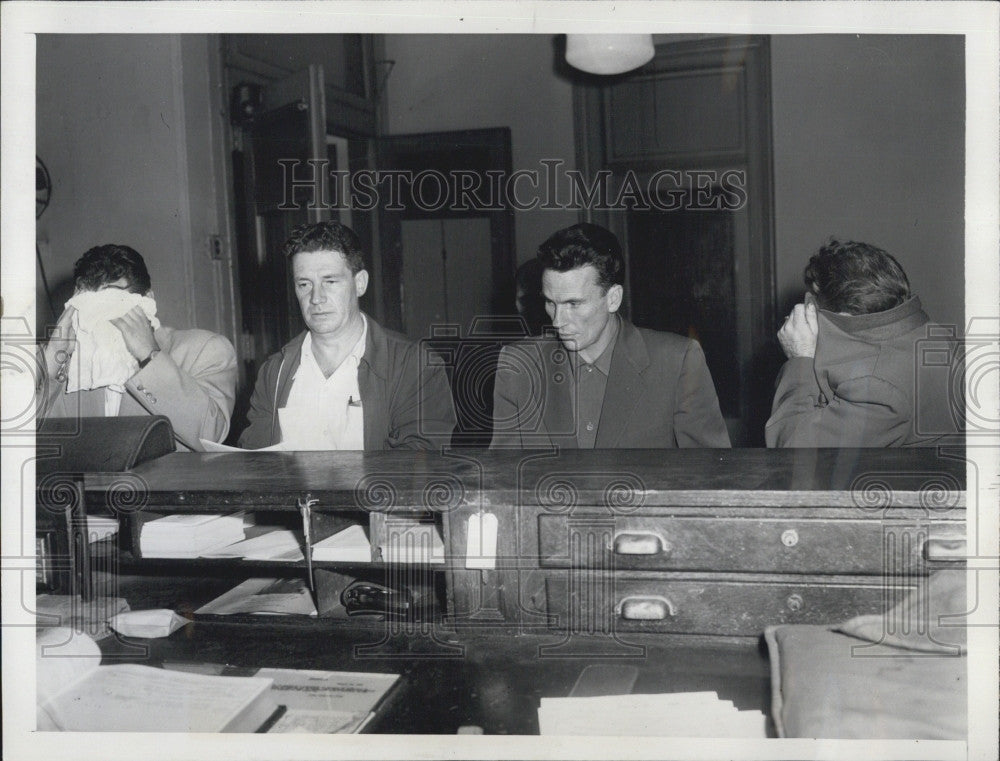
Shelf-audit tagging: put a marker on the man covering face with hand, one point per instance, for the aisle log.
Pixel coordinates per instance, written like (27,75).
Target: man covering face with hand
(109,356)
(866,367)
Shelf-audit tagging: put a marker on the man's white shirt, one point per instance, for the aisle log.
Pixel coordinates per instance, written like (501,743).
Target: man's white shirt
(324,413)
(112,401)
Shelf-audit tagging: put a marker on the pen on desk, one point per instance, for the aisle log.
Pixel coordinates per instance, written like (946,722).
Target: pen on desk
(305,508)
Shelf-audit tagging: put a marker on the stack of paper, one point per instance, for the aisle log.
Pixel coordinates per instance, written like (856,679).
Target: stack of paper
(264,595)
(100,527)
(412,540)
(682,714)
(277,544)
(350,546)
(185,535)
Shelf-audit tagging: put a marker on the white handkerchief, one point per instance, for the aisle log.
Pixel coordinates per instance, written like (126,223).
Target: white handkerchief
(101,358)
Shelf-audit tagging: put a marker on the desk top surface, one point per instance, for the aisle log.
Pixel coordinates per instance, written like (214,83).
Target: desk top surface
(493,681)
(374,480)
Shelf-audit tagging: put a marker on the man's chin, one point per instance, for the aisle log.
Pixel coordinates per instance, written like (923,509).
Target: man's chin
(322,325)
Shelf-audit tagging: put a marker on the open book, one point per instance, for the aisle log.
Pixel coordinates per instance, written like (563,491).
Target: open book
(76,693)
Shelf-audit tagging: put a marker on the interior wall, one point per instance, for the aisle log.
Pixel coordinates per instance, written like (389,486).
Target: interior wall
(124,124)
(451,82)
(869,145)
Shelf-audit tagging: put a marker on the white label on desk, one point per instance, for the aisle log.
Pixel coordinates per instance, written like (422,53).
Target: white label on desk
(481,549)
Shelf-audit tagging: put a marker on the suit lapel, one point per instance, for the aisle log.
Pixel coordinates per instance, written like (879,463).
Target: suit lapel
(558,417)
(621,396)
(372,384)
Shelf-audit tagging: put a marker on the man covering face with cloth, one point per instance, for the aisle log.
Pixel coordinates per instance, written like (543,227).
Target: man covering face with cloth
(110,356)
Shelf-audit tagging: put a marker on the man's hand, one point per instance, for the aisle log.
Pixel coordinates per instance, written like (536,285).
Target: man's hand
(60,345)
(137,332)
(798,335)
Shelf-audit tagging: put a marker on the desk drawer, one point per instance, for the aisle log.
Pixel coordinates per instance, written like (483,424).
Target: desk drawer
(593,603)
(752,544)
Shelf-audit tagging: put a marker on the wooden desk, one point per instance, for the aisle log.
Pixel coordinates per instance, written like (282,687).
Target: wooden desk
(671,560)
(492,681)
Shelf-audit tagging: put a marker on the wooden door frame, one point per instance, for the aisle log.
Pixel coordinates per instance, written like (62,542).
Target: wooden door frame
(497,141)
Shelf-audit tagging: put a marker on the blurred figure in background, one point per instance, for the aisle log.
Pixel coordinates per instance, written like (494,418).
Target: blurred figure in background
(528,299)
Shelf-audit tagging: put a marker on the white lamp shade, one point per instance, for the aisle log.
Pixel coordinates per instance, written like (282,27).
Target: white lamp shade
(608,53)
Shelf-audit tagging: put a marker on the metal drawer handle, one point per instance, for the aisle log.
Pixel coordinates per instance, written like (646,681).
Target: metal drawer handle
(645,608)
(945,548)
(639,544)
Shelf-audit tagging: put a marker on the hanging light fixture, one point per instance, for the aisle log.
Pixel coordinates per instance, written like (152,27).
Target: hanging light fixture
(608,53)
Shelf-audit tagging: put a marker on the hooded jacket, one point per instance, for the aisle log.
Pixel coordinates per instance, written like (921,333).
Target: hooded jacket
(885,379)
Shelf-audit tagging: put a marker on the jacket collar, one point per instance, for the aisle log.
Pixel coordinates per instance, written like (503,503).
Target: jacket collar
(376,356)
(879,326)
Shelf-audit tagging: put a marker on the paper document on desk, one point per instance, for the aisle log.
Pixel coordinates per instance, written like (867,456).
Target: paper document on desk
(211,446)
(325,702)
(265,596)
(682,714)
(76,693)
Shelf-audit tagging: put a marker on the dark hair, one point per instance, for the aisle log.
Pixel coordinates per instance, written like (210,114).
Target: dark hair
(856,278)
(106,264)
(584,244)
(327,236)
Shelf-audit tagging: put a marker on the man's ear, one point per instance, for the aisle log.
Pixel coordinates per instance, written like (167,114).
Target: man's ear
(149,294)
(810,299)
(613,298)
(361,282)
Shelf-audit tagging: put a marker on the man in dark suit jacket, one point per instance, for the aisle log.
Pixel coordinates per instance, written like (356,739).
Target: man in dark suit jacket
(604,383)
